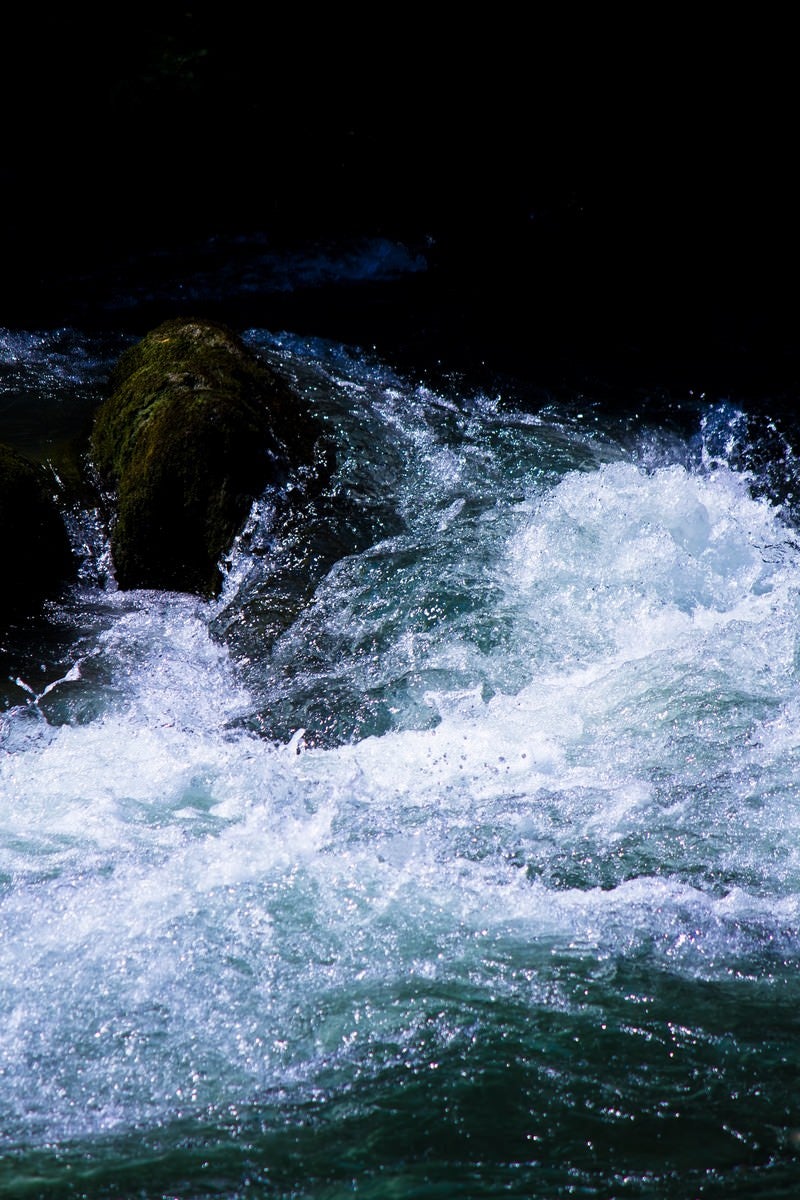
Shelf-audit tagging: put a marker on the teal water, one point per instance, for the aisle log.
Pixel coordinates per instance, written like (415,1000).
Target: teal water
(452,852)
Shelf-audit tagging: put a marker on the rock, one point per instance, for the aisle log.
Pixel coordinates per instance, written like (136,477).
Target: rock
(195,428)
(36,551)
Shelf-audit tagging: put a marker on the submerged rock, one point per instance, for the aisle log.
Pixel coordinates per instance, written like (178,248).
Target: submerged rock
(195,428)
(35,545)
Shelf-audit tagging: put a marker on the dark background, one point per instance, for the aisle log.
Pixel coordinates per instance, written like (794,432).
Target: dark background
(618,195)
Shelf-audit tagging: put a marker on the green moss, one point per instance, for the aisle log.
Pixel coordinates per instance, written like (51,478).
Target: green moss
(195,428)
(36,552)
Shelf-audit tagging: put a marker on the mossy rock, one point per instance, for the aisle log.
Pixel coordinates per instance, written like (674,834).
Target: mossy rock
(196,427)
(35,548)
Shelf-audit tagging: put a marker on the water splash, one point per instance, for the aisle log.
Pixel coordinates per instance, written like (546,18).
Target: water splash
(491,830)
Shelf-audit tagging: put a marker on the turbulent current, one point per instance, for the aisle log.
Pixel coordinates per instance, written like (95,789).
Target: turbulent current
(453,851)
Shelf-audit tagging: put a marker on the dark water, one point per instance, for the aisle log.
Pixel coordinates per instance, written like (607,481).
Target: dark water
(453,850)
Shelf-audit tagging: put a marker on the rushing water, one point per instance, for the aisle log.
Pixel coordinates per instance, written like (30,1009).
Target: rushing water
(453,851)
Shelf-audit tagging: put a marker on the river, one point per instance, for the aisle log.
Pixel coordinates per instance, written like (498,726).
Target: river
(452,851)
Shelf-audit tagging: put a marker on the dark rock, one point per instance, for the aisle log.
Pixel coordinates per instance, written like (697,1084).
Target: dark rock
(36,550)
(195,428)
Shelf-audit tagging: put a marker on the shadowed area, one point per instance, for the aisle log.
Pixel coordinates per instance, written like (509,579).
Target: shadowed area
(586,203)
